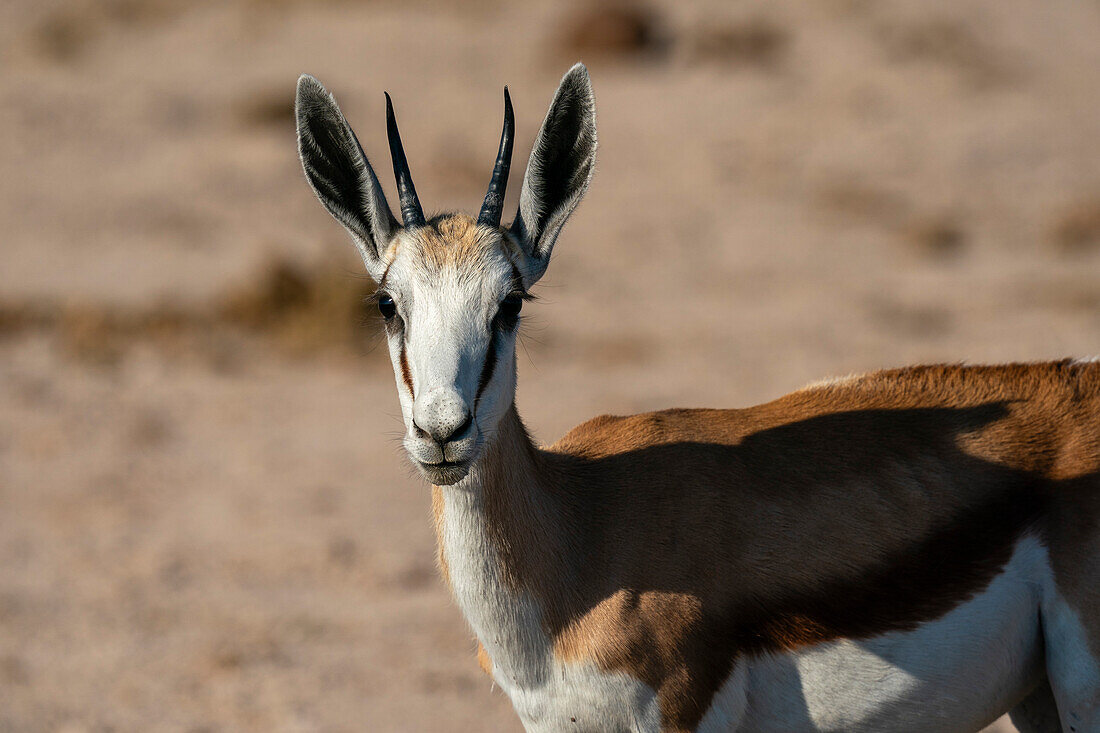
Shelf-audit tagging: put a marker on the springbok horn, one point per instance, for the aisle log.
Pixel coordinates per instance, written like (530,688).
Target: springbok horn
(411,213)
(498,184)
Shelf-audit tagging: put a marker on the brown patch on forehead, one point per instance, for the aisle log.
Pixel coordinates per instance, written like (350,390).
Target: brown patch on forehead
(453,239)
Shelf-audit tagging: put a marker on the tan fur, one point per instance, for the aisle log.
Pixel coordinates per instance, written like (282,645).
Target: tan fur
(437,523)
(666,544)
(452,238)
(484,661)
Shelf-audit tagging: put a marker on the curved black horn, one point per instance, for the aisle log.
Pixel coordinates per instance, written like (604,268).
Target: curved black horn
(498,184)
(411,213)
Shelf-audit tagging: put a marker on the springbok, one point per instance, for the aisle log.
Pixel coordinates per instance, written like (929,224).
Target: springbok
(910,550)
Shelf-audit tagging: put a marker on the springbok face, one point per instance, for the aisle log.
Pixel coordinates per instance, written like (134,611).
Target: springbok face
(450,288)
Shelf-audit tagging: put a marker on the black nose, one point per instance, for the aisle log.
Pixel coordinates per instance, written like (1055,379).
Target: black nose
(445,433)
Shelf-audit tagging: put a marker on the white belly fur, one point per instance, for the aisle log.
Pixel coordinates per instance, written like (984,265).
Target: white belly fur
(957,673)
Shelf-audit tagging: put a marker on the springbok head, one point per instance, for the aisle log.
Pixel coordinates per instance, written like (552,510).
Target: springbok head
(450,287)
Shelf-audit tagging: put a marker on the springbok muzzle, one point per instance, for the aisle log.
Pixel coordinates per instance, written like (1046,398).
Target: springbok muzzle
(442,415)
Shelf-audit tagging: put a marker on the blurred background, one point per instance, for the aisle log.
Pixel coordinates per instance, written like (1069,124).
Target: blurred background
(206,522)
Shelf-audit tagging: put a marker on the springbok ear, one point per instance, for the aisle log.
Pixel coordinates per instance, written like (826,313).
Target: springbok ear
(558,171)
(341,175)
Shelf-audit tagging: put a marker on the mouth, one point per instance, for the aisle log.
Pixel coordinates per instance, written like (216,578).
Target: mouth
(444,473)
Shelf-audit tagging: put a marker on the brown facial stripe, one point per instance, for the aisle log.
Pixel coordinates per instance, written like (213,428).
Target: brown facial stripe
(489,366)
(494,342)
(406,373)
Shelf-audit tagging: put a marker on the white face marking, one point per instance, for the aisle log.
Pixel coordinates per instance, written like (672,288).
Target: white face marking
(956,673)
(441,338)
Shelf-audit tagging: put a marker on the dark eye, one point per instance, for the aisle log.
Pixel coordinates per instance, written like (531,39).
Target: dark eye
(386,306)
(510,306)
(508,313)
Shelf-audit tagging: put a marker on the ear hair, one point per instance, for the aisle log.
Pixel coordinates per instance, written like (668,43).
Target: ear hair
(558,171)
(340,174)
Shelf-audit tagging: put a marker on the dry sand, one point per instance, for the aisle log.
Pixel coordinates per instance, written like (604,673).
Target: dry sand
(207,524)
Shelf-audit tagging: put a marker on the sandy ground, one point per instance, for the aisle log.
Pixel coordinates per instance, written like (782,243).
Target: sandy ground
(207,524)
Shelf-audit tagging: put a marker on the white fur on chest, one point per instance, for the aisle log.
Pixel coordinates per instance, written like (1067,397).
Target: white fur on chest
(956,673)
(548,695)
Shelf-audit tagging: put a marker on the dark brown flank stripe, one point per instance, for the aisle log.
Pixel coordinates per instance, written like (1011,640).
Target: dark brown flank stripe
(406,374)
(919,585)
(925,582)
